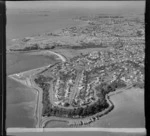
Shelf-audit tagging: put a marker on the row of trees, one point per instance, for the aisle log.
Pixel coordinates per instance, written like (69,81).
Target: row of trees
(50,110)
(57,45)
(98,106)
(84,45)
(41,79)
(79,112)
(104,88)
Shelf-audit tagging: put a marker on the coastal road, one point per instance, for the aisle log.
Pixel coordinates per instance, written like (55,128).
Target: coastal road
(59,55)
(26,79)
(86,119)
(38,109)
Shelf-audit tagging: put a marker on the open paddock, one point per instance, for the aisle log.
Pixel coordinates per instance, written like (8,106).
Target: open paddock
(70,53)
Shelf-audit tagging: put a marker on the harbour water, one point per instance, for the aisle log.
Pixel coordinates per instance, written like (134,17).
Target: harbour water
(21,99)
(20,105)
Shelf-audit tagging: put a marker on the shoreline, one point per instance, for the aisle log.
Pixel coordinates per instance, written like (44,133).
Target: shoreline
(85,121)
(41,121)
(88,120)
(45,120)
(29,83)
(62,57)
(36,113)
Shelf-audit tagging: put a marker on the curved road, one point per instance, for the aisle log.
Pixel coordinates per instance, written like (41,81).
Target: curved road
(28,81)
(85,120)
(77,122)
(59,55)
(39,97)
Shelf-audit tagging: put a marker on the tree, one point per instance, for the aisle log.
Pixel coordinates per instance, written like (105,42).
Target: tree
(85,111)
(35,46)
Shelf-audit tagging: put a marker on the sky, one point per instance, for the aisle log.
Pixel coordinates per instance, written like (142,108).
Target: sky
(72,4)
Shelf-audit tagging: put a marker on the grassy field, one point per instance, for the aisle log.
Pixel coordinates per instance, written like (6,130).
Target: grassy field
(70,53)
